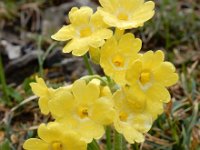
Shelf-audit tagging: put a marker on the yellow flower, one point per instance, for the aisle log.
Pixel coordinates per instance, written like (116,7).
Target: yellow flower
(126,14)
(140,103)
(55,137)
(45,94)
(86,30)
(41,90)
(130,123)
(116,56)
(84,109)
(150,75)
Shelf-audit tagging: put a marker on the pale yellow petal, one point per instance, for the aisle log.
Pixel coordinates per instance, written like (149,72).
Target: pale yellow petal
(133,72)
(159,93)
(35,144)
(108,48)
(92,92)
(98,37)
(165,74)
(78,47)
(61,104)
(64,34)
(89,130)
(146,9)
(129,44)
(158,58)
(43,104)
(95,55)
(131,5)
(97,21)
(80,52)
(39,89)
(102,111)
(154,108)
(107,51)
(80,16)
(72,141)
(109,5)
(132,135)
(142,122)
(79,95)
(51,132)
(135,97)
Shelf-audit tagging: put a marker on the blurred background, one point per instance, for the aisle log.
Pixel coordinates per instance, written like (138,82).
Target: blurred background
(26,50)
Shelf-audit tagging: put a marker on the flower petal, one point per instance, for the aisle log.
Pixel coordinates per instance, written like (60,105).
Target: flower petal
(102,111)
(129,44)
(159,93)
(35,144)
(50,132)
(64,34)
(97,38)
(43,104)
(78,46)
(39,88)
(61,104)
(90,130)
(80,16)
(109,5)
(133,72)
(79,94)
(165,74)
(72,141)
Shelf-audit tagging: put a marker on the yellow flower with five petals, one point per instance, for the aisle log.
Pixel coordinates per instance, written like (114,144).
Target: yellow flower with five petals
(117,55)
(54,136)
(84,109)
(149,76)
(130,123)
(86,30)
(126,14)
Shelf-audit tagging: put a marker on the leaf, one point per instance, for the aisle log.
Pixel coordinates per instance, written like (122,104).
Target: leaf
(5,145)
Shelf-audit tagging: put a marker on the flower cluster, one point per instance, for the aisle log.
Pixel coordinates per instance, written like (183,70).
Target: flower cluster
(129,99)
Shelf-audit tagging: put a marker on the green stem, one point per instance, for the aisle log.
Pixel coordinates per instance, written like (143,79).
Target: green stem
(40,60)
(93,145)
(108,138)
(88,65)
(135,146)
(3,82)
(50,48)
(118,141)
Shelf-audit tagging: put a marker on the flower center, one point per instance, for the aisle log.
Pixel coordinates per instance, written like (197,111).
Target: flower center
(56,146)
(85,32)
(122,16)
(123,116)
(83,112)
(118,61)
(145,77)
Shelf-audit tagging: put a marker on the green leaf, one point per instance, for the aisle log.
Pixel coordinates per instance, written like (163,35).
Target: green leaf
(5,145)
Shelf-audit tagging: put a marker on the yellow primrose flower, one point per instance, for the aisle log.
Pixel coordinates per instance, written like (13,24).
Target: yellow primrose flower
(86,30)
(129,122)
(43,92)
(116,56)
(150,75)
(126,14)
(55,137)
(84,109)
(140,103)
